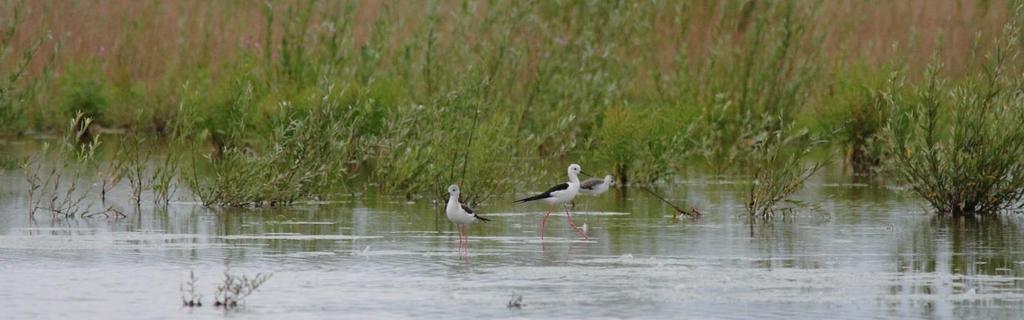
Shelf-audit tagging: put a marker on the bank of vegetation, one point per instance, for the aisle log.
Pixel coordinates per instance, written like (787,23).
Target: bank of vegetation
(277,102)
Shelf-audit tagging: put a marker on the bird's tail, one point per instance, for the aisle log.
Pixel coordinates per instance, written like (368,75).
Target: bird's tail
(478,217)
(536,197)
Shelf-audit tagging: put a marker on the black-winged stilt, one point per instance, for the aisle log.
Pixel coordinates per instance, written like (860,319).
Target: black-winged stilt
(596,186)
(461,215)
(560,194)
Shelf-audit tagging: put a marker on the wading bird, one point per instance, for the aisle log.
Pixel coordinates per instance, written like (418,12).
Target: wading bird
(560,194)
(595,187)
(461,215)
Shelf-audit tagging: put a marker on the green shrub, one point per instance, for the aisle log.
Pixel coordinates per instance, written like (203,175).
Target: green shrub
(753,86)
(85,91)
(780,169)
(638,143)
(961,146)
(300,160)
(856,112)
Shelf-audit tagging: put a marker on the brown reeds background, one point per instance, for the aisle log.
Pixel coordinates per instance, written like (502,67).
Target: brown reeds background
(142,40)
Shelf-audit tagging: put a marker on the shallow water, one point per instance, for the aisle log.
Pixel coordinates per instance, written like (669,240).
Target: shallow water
(867,251)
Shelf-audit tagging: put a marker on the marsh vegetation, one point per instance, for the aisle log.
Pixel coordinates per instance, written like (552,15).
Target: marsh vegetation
(288,101)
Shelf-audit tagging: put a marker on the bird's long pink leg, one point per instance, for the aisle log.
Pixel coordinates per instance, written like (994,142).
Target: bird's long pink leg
(574,227)
(544,222)
(458,232)
(465,237)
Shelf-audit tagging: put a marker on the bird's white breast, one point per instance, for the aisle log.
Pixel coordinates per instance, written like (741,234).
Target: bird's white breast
(456,214)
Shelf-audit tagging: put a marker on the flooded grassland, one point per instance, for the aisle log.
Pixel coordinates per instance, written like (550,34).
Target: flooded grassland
(866,251)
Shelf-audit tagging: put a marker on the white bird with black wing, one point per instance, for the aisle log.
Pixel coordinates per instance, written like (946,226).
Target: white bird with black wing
(461,215)
(560,194)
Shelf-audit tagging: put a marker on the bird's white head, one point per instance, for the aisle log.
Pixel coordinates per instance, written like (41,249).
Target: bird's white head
(609,180)
(453,190)
(574,169)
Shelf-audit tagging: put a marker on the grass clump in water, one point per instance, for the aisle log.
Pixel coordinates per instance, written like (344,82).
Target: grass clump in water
(133,156)
(638,144)
(235,288)
(857,113)
(162,179)
(189,296)
(59,185)
(780,170)
(305,157)
(961,145)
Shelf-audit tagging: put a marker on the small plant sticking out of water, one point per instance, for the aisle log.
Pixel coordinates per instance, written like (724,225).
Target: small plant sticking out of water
(133,157)
(516,302)
(779,171)
(236,288)
(161,181)
(961,146)
(110,176)
(189,296)
(57,187)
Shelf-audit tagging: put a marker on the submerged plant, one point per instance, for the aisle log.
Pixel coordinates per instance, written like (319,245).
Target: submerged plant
(235,288)
(961,146)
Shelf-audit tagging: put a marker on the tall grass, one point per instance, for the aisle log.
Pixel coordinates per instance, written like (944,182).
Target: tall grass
(304,157)
(17,88)
(859,115)
(283,101)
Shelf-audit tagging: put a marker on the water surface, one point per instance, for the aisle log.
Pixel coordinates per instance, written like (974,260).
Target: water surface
(869,250)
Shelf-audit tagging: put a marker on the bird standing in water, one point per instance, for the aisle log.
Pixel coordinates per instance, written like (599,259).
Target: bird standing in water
(596,186)
(461,215)
(560,194)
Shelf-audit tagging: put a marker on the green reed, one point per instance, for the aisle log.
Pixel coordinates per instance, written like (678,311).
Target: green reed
(412,97)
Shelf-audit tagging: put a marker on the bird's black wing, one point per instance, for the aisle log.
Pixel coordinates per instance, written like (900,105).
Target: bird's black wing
(472,213)
(546,194)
